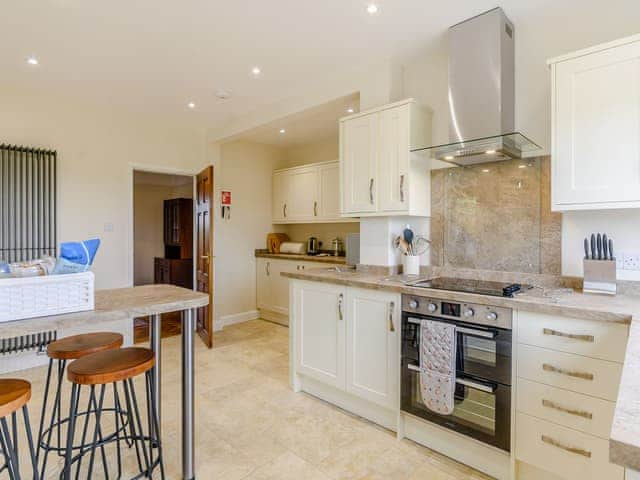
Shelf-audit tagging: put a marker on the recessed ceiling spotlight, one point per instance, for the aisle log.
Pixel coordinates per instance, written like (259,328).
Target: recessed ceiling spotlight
(350,110)
(485,170)
(490,152)
(191,105)
(282,130)
(522,166)
(372,9)
(32,61)
(449,157)
(223,94)
(256,71)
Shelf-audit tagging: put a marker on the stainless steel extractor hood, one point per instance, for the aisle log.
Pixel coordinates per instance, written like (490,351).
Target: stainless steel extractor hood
(481,93)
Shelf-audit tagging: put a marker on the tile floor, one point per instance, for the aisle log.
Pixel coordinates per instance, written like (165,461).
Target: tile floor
(251,426)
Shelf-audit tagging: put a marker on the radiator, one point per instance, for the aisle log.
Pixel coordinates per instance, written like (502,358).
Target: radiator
(28,217)
(25,351)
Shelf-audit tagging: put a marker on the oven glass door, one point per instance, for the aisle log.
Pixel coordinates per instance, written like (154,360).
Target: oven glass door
(482,409)
(483,352)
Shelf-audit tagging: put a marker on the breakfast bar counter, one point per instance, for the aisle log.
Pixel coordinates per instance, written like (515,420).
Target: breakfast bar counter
(126,304)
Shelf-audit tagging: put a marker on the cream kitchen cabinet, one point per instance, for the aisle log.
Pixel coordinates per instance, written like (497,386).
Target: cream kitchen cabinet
(596,127)
(379,174)
(348,338)
(307,194)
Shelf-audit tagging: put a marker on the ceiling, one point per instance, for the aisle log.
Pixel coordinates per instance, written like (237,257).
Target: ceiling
(156,56)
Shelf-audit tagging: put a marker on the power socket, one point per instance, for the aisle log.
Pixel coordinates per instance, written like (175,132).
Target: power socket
(631,261)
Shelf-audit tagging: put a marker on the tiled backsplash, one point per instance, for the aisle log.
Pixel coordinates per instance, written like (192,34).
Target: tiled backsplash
(495,217)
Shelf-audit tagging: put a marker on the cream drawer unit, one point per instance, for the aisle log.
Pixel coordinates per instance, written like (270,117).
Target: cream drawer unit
(565,452)
(574,410)
(591,338)
(599,378)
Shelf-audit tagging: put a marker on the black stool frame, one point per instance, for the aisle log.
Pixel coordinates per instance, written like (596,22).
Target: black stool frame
(9,445)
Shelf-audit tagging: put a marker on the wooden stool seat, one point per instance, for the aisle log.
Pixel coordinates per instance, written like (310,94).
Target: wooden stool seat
(110,366)
(77,346)
(14,394)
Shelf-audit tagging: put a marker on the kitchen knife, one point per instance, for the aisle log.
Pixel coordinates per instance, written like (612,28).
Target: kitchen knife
(593,246)
(605,247)
(586,248)
(611,257)
(599,245)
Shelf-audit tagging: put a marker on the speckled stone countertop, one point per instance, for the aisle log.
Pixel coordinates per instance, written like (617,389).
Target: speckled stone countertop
(624,442)
(113,305)
(302,258)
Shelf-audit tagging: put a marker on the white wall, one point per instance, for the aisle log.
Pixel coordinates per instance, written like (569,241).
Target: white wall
(245,169)
(96,148)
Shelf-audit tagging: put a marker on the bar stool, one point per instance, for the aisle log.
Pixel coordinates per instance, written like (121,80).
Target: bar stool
(96,371)
(59,353)
(14,395)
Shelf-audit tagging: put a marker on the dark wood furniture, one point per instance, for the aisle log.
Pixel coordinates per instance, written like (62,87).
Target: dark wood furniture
(178,228)
(173,271)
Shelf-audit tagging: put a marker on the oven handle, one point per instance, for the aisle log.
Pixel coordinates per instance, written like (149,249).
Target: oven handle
(468,331)
(463,381)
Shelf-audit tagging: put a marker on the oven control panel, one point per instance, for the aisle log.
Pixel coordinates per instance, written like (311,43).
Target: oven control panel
(489,315)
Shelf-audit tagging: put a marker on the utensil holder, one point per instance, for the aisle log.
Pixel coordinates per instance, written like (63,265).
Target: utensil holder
(599,276)
(411,265)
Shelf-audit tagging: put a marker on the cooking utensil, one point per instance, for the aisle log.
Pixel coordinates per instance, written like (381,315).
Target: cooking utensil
(408,236)
(593,246)
(605,247)
(599,245)
(586,248)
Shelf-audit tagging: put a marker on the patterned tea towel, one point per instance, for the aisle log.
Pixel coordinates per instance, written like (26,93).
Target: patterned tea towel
(438,365)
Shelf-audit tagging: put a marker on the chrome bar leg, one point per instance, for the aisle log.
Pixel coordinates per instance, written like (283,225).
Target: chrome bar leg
(155,338)
(188,459)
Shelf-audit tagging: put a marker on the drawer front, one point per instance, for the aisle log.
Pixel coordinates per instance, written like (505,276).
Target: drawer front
(604,340)
(590,376)
(563,451)
(574,410)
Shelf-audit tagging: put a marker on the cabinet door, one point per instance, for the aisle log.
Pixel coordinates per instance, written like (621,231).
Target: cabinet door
(596,130)
(329,178)
(280,186)
(393,159)
(373,358)
(358,164)
(303,195)
(263,283)
(320,332)
(280,285)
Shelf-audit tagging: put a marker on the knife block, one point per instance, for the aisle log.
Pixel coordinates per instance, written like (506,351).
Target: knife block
(599,276)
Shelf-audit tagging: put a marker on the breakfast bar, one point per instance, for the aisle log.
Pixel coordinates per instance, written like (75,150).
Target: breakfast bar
(126,304)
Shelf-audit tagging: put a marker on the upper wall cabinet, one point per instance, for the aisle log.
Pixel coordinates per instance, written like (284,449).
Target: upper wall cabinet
(307,194)
(596,127)
(379,174)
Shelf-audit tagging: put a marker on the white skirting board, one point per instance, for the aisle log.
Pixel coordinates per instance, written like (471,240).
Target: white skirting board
(489,460)
(232,319)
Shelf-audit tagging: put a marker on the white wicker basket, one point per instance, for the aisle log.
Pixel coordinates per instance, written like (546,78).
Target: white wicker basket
(48,295)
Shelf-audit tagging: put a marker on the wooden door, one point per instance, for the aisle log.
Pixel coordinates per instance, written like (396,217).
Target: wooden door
(320,332)
(372,359)
(358,163)
(393,159)
(204,235)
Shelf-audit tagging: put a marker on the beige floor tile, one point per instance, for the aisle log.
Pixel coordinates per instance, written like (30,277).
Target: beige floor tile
(287,467)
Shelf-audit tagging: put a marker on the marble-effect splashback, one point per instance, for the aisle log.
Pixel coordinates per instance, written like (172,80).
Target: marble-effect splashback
(495,216)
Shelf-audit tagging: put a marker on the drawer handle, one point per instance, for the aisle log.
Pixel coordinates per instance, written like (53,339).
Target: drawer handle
(583,375)
(371,191)
(584,338)
(392,307)
(402,188)
(340,312)
(555,406)
(315,209)
(555,443)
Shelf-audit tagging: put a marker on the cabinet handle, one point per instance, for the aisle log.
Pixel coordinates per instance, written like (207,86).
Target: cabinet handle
(402,188)
(340,313)
(267,268)
(315,209)
(583,375)
(284,210)
(584,338)
(392,307)
(555,443)
(555,406)
(371,191)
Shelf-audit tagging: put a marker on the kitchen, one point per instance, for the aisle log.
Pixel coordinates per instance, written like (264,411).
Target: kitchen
(540,374)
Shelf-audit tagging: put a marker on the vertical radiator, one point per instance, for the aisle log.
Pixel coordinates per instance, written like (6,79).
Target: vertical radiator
(28,217)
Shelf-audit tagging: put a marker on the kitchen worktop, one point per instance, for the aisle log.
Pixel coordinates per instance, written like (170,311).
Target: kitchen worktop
(302,258)
(113,305)
(624,442)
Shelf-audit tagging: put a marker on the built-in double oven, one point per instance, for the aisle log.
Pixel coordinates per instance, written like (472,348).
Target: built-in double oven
(483,367)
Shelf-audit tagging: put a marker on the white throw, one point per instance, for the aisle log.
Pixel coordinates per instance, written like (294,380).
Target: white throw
(438,365)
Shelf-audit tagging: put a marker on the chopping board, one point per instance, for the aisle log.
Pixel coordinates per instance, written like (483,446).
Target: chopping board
(274,240)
